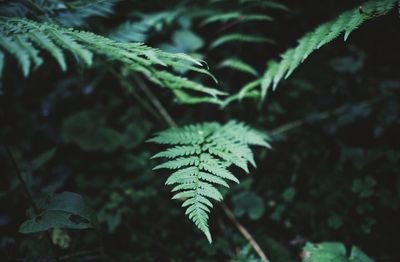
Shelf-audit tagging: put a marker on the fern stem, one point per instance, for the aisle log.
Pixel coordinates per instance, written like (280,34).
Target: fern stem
(245,233)
(21,179)
(36,7)
(154,100)
(131,91)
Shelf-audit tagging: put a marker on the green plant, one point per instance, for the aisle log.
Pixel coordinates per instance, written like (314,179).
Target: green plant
(82,126)
(201,155)
(345,23)
(17,36)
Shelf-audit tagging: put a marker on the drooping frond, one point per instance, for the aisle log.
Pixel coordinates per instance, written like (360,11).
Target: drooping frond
(24,39)
(200,156)
(225,21)
(237,37)
(234,20)
(323,34)
(239,65)
(225,17)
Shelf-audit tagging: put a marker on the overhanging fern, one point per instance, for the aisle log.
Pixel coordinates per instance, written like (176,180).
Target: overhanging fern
(200,156)
(345,23)
(22,38)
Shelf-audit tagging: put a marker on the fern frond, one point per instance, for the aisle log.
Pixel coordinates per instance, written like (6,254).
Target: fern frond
(237,37)
(323,34)
(14,48)
(200,156)
(23,38)
(32,51)
(46,43)
(69,43)
(239,65)
(225,17)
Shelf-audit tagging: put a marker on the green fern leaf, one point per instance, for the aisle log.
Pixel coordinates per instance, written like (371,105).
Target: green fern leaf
(236,37)
(22,38)
(225,17)
(179,162)
(323,34)
(200,156)
(239,65)
(32,52)
(179,151)
(15,49)
(44,42)
(70,44)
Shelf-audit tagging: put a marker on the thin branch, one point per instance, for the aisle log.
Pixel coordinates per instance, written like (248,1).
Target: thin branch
(36,7)
(29,196)
(244,232)
(81,254)
(21,180)
(321,116)
(131,91)
(154,100)
(231,24)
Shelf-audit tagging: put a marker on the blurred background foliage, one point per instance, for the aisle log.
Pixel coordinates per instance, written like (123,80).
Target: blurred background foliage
(332,175)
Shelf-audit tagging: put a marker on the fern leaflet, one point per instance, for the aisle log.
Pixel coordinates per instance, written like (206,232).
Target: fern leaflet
(236,37)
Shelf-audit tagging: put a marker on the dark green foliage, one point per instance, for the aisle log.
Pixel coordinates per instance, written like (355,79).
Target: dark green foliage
(80,95)
(20,37)
(248,203)
(65,210)
(85,129)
